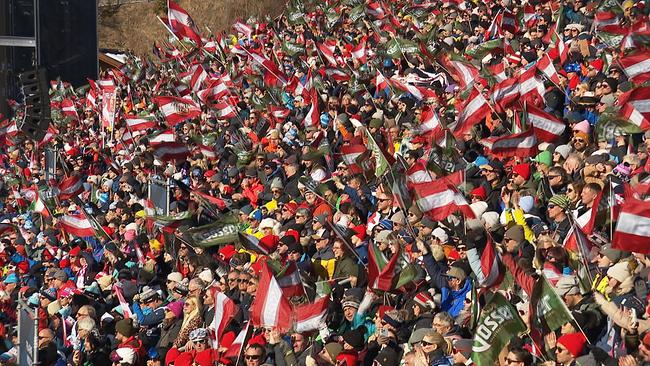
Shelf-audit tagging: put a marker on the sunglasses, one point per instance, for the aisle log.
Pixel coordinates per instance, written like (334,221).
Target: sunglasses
(253,357)
(578,140)
(425,343)
(551,206)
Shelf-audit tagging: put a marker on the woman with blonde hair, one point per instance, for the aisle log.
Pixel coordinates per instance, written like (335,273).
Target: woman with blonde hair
(192,319)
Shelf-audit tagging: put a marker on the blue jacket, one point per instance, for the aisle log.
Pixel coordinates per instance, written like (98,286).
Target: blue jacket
(454,301)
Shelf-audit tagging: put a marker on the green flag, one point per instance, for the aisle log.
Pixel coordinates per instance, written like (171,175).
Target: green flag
(223,231)
(381,164)
(549,311)
(499,323)
(485,48)
(292,49)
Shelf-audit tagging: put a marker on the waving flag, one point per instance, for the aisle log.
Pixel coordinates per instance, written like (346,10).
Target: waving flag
(70,187)
(327,50)
(430,125)
(224,311)
(545,65)
(520,144)
(438,200)
(531,88)
(167,151)
(225,110)
(181,23)
(547,127)
(464,73)
(418,173)
(473,111)
(381,272)
(505,93)
(309,316)
(637,66)
(491,266)
(312,118)
(349,155)
(140,123)
(270,308)
(242,28)
(359,52)
(636,106)
(68,109)
(633,225)
(77,225)
(177,110)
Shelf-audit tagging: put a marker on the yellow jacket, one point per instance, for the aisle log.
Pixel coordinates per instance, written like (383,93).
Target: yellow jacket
(517,215)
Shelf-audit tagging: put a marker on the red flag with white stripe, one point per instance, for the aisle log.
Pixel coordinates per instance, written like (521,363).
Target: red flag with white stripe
(531,88)
(632,232)
(313,116)
(68,109)
(181,23)
(290,281)
(498,71)
(547,128)
(77,225)
(140,123)
(327,49)
(430,125)
(519,144)
(349,155)
(167,151)
(637,66)
(309,316)
(225,110)
(278,113)
(545,65)
(224,311)
(359,51)
(636,106)
(491,266)
(464,73)
(70,187)
(405,86)
(418,173)
(473,111)
(216,89)
(505,93)
(198,76)
(242,28)
(438,200)
(162,136)
(270,308)
(177,110)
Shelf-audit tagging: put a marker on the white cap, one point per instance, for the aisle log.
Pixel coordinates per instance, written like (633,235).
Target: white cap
(440,234)
(127,355)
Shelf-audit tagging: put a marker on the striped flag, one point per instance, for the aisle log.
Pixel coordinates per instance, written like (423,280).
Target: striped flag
(327,50)
(224,311)
(474,110)
(531,88)
(68,109)
(140,123)
(176,109)
(242,28)
(270,308)
(636,106)
(217,89)
(349,155)
(637,66)
(418,174)
(359,51)
(312,118)
(309,316)
(633,226)
(289,280)
(464,73)
(547,128)
(70,187)
(504,93)
(77,225)
(162,136)
(181,23)
(491,266)
(225,110)
(439,200)
(167,151)
(430,125)
(519,144)
(545,65)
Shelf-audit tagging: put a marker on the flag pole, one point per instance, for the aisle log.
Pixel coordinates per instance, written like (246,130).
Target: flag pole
(581,244)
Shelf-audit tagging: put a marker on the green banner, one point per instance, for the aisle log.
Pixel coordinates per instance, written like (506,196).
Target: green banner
(381,164)
(550,312)
(223,231)
(292,49)
(499,322)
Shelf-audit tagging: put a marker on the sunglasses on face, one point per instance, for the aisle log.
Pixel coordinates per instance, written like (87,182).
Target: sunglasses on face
(253,357)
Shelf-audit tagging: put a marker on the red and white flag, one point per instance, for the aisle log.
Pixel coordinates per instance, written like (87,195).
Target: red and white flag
(498,71)
(140,123)
(430,125)
(636,106)
(68,109)
(491,265)
(637,66)
(531,88)
(327,50)
(217,89)
(349,155)
(633,226)
(313,116)
(464,73)
(405,86)
(505,93)
(181,23)
(270,308)
(162,136)
(77,225)
(290,281)
(359,51)
(225,110)
(380,83)
(545,65)
(70,187)
(278,113)
(167,151)
(126,310)
(474,110)
(240,341)
(198,76)
(547,128)
(177,110)
(224,311)
(309,316)
(418,173)
(439,200)
(376,9)
(243,28)
(519,144)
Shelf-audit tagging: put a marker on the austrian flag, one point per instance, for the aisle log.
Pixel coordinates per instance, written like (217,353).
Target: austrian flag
(77,225)
(270,308)
(177,110)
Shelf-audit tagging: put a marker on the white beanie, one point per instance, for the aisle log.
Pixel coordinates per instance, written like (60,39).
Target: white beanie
(490,219)
(440,234)
(478,208)
(620,271)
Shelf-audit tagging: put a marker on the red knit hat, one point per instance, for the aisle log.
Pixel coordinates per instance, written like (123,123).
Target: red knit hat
(291,207)
(479,192)
(270,242)
(597,64)
(383,309)
(523,170)
(574,343)
(227,252)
